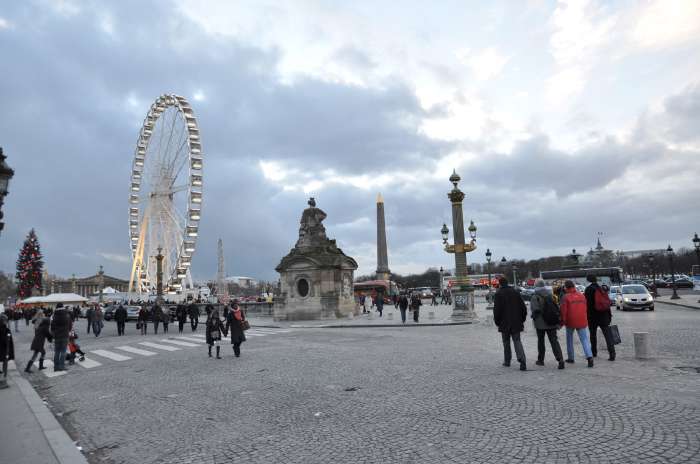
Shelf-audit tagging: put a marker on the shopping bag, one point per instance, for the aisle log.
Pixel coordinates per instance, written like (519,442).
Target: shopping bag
(615,335)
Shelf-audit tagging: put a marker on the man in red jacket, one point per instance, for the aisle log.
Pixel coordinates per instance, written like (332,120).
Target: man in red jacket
(574,316)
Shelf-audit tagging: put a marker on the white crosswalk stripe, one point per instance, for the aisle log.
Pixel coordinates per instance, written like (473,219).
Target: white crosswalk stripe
(111,355)
(178,342)
(48,372)
(88,363)
(197,336)
(159,346)
(190,339)
(131,349)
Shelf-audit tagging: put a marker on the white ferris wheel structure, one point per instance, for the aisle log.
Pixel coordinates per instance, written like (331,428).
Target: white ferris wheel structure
(165,201)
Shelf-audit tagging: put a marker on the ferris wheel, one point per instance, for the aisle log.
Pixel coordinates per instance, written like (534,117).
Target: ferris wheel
(165,197)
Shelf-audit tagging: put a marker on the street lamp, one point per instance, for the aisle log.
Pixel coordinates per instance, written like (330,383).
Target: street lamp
(696,243)
(488,270)
(441,279)
(6,174)
(652,268)
(159,276)
(462,289)
(669,252)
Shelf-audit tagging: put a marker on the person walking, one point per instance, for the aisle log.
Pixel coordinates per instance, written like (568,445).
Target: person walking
(42,333)
(403,306)
(98,321)
(142,320)
(546,318)
(27,313)
(214,329)
(7,346)
(362,303)
(181,314)
(165,318)
(60,328)
(433,301)
(89,315)
(193,311)
(380,303)
(120,315)
(156,316)
(509,314)
(17,316)
(599,315)
(416,303)
(574,317)
(234,326)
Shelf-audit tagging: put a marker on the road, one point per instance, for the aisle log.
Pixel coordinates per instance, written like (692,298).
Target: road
(394,395)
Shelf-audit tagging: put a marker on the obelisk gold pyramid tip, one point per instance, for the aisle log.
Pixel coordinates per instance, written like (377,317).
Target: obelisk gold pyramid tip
(379,198)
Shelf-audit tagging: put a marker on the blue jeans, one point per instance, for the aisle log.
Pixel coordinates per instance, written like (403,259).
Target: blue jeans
(583,337)
(59,355)
(403,315)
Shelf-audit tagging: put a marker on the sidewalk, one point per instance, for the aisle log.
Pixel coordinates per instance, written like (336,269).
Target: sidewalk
(29,433)
(686,301)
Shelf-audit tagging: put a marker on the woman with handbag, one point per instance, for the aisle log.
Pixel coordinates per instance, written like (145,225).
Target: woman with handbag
(237,324)
(213,332)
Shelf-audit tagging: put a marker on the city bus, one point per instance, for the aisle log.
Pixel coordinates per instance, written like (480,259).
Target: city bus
(606,275)
(387,288)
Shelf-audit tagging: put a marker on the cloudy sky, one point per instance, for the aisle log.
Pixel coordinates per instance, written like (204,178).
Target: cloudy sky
(564,119)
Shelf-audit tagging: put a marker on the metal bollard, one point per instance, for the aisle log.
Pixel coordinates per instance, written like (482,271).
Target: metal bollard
(642,346)
(431,314)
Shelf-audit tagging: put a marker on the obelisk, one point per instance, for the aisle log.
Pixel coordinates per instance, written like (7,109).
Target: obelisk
(383,272)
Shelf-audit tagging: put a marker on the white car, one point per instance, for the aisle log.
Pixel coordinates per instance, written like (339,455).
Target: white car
(634,297)
(612,293)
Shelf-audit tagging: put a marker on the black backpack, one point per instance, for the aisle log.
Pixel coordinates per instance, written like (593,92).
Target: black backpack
(550,311)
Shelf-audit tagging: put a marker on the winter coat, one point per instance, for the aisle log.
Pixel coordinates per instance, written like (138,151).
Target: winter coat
(7,345)
(60,325)
(235,326)
(573,310)
(403,303)
(143,315)
(214,330)
(509,310)
(90,314)
(416,303)
(181,313)
(120,314)
(42,333)
(537,308)
(193,311)
(156,313)
(99,315)
(601,318)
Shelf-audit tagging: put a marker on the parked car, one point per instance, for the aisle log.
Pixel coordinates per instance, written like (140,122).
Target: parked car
(634,297)
(612,293)
(680,283)
(132,312)
(109,312)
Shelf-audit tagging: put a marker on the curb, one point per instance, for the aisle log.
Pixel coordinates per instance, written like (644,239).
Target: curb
(379,326)
(61,444)
(677,304)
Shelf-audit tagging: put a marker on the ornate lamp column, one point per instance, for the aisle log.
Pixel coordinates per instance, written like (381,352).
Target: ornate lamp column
(159,276)
(489,296)
(462,291)
(652,268)
(696,243)
(670,253)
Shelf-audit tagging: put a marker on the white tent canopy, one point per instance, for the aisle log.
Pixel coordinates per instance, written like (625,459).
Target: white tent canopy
(54,298)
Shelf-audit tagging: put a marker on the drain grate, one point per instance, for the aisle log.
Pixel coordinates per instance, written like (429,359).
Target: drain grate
(694,370)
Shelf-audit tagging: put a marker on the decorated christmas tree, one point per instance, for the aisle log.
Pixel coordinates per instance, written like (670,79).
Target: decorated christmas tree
(29,266)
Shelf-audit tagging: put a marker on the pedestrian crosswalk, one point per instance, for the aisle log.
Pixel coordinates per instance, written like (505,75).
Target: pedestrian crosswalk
(98,357)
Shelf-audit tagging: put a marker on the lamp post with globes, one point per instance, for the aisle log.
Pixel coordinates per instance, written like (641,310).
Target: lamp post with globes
(462,290)
(670,253)
(489,296)
(6,174)
(696,244)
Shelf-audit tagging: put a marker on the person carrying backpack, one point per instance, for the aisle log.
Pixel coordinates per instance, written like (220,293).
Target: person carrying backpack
(573,316)
(546,318)
(599,315)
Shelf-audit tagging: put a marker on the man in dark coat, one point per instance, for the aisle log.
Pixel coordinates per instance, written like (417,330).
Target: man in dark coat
(89,315)
(120,315)
(193,311)
(7,347)
(597,319)
(156,316)
(60,328)
(380,303)
(403,306)
(509,314)
(181,314)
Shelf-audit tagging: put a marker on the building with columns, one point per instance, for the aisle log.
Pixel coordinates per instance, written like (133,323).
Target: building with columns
(85,286)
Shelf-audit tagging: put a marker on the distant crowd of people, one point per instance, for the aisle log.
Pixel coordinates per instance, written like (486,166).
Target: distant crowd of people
(551,310)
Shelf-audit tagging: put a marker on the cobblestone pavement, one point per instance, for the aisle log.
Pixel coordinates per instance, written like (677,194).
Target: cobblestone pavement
(390,395)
